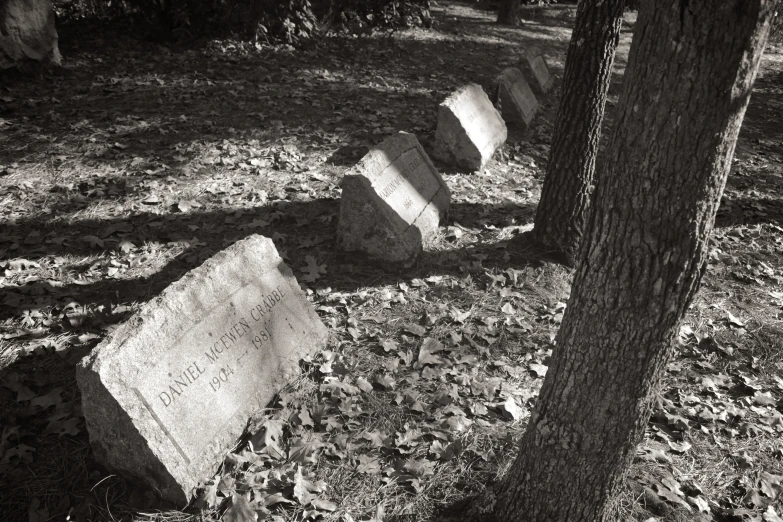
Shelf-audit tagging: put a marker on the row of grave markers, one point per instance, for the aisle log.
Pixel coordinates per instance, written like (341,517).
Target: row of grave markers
(394,199)
(171,390)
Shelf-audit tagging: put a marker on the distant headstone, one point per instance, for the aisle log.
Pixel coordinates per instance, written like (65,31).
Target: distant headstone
(392,203)
(517,101)
(536,61)
(469,130)
(172,389)
(27,33)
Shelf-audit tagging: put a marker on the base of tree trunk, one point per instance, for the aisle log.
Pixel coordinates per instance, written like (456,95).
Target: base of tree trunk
(513,21)
(546,249)
(527,247)
(508,13)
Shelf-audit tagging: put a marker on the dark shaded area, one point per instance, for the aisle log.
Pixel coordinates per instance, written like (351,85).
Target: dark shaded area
(201,86)
(752,193)
(762,118)
(258,95)
(283,217)
(87,494)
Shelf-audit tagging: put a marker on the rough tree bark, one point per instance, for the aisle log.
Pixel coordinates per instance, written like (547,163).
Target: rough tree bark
(565,196)
(689,77)
(508,12)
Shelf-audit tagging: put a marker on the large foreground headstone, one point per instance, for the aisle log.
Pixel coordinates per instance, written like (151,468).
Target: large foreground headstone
(172,389)
(469,130)
(27,33)
(392,203)
(516,99)
(537,62)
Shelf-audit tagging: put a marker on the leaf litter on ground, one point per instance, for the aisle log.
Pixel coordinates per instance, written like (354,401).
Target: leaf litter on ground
(422,404)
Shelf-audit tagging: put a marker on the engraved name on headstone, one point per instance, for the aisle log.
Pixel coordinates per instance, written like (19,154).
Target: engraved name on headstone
(171,391)
(392,203)
(469,129)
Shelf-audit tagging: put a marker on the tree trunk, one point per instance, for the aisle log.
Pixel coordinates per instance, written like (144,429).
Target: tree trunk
(508,13)
(689,77)
(565,196)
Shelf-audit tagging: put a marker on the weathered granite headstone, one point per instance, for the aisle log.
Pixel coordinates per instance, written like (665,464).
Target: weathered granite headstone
(469,129)
(27,33)
(537,63)
(172,389)
(517,101)
(392,203)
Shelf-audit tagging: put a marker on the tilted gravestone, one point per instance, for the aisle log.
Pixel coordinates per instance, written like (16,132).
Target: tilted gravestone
(392,203)
(517,101)
(27,33)
(537,63)
(172,389)
(469,129)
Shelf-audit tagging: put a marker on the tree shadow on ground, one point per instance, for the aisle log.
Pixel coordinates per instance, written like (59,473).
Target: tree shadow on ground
(63,472)
(292,224)
(765,110)
(749,211)
(148,99)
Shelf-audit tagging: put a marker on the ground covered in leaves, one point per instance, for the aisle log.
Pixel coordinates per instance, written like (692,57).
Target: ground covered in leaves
(138,161)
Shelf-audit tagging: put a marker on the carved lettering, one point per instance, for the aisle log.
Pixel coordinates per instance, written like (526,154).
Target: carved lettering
(407,167)
(165,398)
(179,384)
(389,189)
(174,392)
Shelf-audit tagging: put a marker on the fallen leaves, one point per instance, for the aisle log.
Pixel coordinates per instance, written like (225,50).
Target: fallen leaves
(453,356)
(312,271)
(239,510)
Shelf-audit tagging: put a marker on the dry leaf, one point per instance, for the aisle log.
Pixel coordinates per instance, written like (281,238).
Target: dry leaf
(239,511)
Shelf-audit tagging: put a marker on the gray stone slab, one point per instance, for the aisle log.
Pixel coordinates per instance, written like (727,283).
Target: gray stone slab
(516,99)
(169,392)
(537,63)
(392,203)
(27,32)
(469,129)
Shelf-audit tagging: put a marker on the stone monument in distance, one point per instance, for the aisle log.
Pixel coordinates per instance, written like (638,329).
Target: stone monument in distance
(392,203)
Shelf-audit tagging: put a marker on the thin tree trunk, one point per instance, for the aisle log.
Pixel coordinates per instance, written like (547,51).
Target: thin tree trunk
(565,196)
(508,13)
(688,82)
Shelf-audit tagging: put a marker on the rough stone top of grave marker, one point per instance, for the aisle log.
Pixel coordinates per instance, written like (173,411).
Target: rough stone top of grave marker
(392,202)
(537,62)
(172,389)
(516,99)
(27,32)
(469,129)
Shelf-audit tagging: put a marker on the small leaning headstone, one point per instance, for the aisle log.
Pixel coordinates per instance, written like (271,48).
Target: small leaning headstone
(169,392)
(27,33)
(537,62)
(392,203)
(469,129)
(516,99)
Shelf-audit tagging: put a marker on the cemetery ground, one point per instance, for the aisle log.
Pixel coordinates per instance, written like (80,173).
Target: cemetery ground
(138,161)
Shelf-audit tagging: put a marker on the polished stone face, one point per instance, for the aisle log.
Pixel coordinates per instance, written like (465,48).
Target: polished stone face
(469,129)
(172,390)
